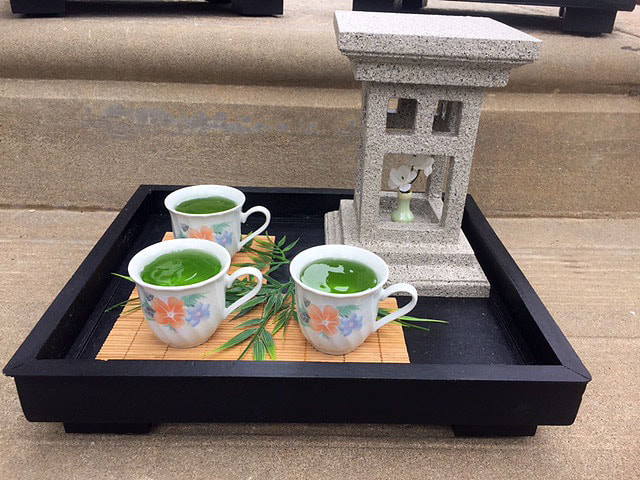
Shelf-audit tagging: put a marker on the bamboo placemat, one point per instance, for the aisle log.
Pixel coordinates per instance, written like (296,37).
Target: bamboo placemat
(132,339)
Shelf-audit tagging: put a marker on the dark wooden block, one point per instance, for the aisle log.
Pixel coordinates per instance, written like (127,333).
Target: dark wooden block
(38,7)
(577,16)
(387,5)
(258,7)
(57,7)
(587,20)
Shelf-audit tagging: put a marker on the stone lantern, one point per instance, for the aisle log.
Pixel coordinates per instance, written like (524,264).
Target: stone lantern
(423,79)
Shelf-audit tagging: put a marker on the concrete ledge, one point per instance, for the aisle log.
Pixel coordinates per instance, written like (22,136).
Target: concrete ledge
(202,43)
(558,155)
(90,144)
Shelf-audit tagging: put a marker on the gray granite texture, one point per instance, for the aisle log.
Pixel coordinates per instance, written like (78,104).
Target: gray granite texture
(434,49)
(423,79)
(452,149)
(408,251)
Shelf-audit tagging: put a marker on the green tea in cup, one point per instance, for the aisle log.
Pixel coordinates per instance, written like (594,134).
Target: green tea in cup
(214,213)
(184,267)
(206,205)
(337,275)
(338,292)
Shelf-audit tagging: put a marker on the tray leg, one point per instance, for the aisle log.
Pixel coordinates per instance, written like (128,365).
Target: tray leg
(587,20)
(129,428)
(38,7)
(494,430)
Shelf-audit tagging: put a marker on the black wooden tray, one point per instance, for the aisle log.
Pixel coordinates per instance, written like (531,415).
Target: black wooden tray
(500,367)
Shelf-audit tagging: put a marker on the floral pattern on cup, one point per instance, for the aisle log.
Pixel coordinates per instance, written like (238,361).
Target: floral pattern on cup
(348,325)
(175,312)
(216,233)
(328,320)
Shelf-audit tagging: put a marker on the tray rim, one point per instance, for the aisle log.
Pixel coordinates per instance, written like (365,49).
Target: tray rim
(25,363)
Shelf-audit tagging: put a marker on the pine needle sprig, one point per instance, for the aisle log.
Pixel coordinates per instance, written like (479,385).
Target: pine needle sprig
(407,321)
(276,297)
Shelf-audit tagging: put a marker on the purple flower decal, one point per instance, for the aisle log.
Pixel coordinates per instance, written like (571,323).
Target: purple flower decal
(224,238)
(304,318)
(145,302)
(148,309)
(146,295)
(198,313)
(348,325)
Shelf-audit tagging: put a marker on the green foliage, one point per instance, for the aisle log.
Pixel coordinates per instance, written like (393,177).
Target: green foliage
(269,343)
(241,337)
(131,301)
(406,321)
(259,352)
(276,298)
(122,276)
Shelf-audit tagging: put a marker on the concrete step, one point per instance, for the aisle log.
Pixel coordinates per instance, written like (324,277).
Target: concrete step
(72,143)
(111,96)
(200,43)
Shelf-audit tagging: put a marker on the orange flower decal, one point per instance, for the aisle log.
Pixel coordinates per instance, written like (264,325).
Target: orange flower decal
(171,313)
(206,233)
(324,320)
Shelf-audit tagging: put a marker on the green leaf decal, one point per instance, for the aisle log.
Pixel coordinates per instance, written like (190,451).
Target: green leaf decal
(347,310)
(192,300)
(219,228)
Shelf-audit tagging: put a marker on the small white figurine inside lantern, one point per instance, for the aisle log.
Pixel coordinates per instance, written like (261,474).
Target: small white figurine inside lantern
(403,178)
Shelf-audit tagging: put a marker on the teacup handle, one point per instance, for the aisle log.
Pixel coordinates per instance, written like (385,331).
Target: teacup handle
(254,272)
(245,215)
(398,287)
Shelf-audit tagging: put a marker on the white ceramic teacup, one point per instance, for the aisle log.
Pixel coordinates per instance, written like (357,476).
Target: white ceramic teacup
(339,323)
(222,227)
(187,316)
